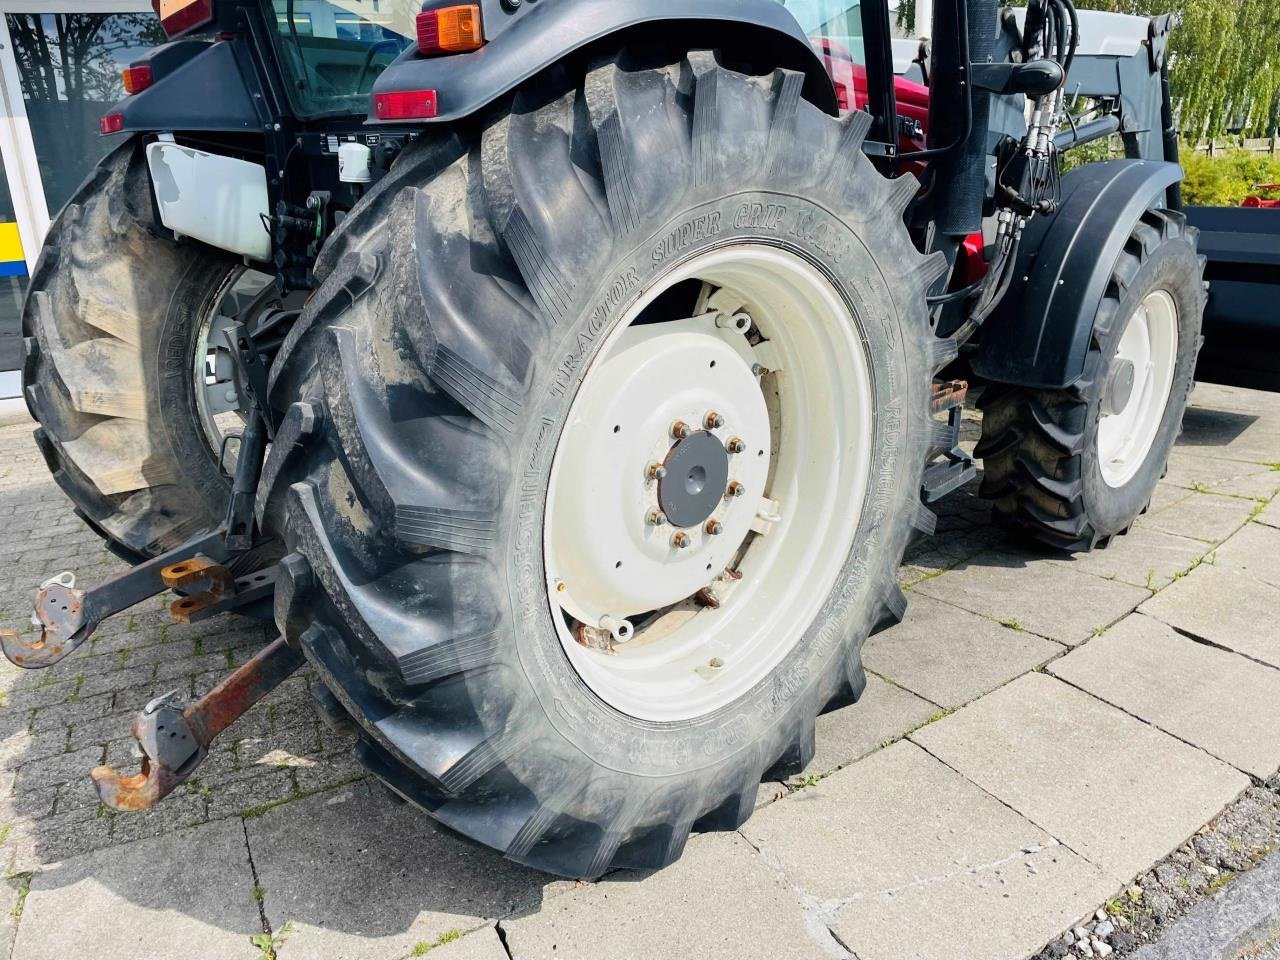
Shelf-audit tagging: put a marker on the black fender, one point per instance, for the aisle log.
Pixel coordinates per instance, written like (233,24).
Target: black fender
(1039,335)
(197,86)
(538,33)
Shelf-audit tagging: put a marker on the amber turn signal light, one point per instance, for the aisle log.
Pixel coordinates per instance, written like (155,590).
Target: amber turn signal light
(450,30)
(136,79)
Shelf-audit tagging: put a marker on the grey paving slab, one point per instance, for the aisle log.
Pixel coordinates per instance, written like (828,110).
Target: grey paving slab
(1166,495)
(1143,557)
(1253,550)
(1241,923)
(720,901)
(884,713)
(950,656)
(1270,515)
(1224,607)
(1261,484)
(1114,789)
(416,882)
(1194,469)
(1201,516)
(1046,598)
(482,944)
(187,894)
(1005,912)
(906,858)
(1240,424)
(1220,701)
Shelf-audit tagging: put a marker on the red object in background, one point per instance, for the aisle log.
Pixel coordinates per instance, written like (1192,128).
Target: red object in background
(850,82)
(1263,202)
(973,261)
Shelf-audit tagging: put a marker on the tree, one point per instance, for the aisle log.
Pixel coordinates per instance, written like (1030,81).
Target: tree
(69,69)
(1224,60)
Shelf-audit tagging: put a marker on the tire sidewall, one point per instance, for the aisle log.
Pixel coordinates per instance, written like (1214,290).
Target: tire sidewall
(818,663)
(195,296)
(1172,267)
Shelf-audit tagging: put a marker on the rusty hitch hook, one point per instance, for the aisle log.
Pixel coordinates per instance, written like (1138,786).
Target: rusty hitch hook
(68,616)
(174,740)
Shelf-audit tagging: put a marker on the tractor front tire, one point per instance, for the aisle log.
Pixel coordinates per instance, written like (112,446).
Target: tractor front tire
(664,258)
(110,323)
(1073,468)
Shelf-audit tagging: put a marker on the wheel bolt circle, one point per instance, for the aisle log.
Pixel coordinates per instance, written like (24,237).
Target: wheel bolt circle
(714,527)
(735,489)
(680,540)
(655,471)
(680,430)
(713,421)
(735,445)
(655,517)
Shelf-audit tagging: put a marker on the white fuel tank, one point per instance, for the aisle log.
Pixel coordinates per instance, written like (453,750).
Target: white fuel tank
(220,200)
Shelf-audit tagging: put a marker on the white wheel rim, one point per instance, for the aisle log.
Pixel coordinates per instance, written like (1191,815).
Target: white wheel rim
(807,426)
(1150,343)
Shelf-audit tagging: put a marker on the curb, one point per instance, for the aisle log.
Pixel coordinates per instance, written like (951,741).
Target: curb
(1221,927)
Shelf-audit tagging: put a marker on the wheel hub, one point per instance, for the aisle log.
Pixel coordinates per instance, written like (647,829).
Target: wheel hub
(696,479)
(645,517)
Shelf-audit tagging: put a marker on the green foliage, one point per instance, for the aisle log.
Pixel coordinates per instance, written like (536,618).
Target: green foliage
(1224,59)
(1224,180)
(269,944)
(1086,153)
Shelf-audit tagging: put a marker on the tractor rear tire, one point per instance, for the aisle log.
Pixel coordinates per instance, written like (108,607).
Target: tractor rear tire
(1049,464)
(110,321)
(428,387)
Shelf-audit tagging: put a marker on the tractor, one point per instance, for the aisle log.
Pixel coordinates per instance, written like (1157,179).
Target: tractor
(566,378)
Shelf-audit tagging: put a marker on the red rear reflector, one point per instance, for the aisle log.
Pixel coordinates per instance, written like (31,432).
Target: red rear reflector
(136,79)
(450,30)
(177,16)
(405,105)
(111,123)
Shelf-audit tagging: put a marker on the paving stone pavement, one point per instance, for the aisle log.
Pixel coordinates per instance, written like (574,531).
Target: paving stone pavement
(1040,729)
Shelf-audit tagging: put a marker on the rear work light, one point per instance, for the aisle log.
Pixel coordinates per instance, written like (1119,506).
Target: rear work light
(179,16)
(136,79)
(450,30)
(111,123)
(405,105)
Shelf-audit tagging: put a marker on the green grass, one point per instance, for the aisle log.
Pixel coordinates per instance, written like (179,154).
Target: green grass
(422,947)
(250,813)
(1011,624)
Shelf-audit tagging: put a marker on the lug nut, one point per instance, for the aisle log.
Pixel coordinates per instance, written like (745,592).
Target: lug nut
(655,517)
(680,540)
(714,527)
(655,471)
(713,421)
(735,489)
(680,430)
(735,445)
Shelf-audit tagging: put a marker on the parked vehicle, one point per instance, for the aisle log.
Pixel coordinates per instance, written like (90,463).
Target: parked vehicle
(568,377)
(1242,319)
